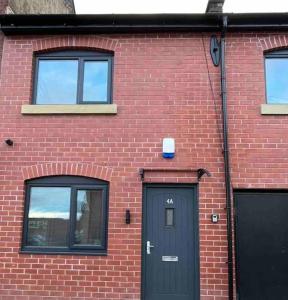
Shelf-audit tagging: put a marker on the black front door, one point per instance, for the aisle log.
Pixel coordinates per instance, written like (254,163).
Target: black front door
(262,245)
(170,243)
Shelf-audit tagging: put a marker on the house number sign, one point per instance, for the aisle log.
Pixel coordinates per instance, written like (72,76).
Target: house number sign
(169,201)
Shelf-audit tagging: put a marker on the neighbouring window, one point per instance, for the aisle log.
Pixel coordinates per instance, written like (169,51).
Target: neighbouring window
(66,214)
(73,77)
(276,67)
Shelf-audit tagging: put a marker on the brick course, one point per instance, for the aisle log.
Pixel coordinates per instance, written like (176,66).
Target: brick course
(162,90)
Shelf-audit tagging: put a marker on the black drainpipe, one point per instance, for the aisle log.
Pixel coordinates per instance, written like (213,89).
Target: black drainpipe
(226,159)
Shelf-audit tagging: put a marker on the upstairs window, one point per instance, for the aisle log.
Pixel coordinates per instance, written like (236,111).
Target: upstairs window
(65,214)
(73,77)
(276,67)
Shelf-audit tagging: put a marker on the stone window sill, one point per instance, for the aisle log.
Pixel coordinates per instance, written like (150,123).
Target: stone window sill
(274,109)
(77,109)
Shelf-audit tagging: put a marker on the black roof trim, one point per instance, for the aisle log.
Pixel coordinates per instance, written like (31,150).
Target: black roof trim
(122,23)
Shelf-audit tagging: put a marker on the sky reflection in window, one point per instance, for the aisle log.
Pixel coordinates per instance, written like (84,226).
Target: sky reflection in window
(95,81)
(48,216)
(277,80)
(57,82)
(49,202)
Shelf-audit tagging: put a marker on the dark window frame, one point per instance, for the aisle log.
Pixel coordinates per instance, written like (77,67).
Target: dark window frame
(279,53)
(74,183)
(81,57)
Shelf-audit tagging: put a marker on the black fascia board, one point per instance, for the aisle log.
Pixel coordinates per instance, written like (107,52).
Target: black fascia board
(129,23)
(122,23)
(258,21)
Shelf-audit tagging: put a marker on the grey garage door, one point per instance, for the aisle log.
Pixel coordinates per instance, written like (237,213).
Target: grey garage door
(262,244)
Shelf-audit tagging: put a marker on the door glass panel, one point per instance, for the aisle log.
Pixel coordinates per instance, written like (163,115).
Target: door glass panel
(48,217)
(169,218)
(89,219)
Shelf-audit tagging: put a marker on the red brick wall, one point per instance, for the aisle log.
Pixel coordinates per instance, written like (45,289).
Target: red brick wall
(162,89)
(258,143)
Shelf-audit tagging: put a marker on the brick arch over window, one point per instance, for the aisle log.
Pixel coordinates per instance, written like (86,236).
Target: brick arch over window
(75,42)
(273,42)
(52,169)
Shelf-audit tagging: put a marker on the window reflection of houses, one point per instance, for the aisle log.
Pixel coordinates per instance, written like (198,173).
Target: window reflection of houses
(89,217)
(47,231)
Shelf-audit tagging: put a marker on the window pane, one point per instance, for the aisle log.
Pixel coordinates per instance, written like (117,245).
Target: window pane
(95,81)
(277,80)
(57,82)
(89,218)
(48,216)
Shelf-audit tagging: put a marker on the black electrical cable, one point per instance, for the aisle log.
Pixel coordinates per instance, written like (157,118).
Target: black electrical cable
(217,112)
(226,161)
(225,146)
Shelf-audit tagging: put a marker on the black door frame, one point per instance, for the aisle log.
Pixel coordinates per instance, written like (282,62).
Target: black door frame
(196,231)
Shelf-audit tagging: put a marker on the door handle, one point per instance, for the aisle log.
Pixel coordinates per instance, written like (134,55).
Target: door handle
(148,247)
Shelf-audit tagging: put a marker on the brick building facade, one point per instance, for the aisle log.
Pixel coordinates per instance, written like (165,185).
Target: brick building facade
(164,85)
